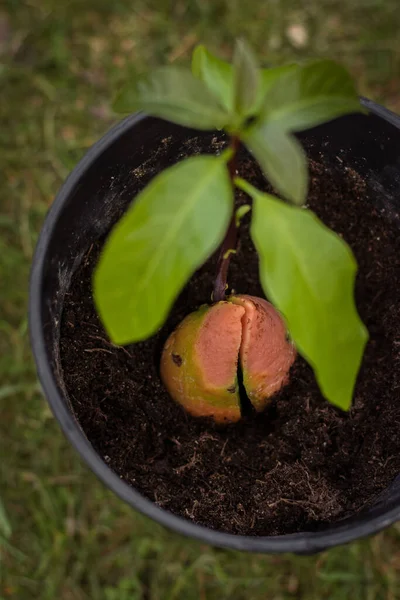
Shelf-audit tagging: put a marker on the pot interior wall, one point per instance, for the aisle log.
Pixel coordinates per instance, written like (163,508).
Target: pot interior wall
(104,187)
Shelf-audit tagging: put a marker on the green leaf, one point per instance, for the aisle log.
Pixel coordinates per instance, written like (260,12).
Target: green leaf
(172,227)
(282,159)
(246,78)
(309,272)
(269,78)
(174,94)
(310,95)
(217,74)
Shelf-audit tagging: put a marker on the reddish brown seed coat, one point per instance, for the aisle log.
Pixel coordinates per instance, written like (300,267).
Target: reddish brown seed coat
(266,354)
(200,358)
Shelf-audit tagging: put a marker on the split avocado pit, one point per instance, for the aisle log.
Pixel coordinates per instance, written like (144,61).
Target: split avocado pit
(202,358)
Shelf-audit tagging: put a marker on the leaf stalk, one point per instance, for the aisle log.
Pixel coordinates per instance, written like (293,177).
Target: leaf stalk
(228,246)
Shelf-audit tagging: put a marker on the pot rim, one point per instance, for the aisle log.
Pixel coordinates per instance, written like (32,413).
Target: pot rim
(303,542)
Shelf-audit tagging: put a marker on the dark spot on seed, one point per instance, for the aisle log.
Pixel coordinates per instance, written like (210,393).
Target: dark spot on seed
(231,389)
(177,359)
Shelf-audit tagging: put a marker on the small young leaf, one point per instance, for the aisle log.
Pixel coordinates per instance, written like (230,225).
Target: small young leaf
(281,158)
(241,212)
(310,95)
(173,93)
(172,227)
(309,272)
(215,73)
(246,78)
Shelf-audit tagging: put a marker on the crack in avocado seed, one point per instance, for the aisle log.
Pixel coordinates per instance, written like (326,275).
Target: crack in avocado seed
(265,355)
(246,407)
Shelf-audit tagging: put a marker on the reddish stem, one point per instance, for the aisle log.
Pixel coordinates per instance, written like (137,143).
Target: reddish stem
(230,239)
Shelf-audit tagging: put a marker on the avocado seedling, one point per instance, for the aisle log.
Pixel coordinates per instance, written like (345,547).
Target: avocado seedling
(187,211)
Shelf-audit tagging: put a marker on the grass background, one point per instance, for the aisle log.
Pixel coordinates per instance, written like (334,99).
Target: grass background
(62,534)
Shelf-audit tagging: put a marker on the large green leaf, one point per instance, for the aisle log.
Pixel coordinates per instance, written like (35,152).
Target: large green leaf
(173,93)
(308,272)
(173,226)
(246,79)
(310,95)
(216,74)
(270,77)
(282,159)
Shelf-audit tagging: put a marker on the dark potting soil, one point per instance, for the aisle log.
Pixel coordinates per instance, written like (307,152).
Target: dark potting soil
(299,465)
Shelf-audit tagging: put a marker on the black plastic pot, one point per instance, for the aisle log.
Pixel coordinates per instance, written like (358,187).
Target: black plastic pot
(93,198)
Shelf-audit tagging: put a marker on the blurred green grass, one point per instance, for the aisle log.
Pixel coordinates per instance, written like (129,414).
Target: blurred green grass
(59,65)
